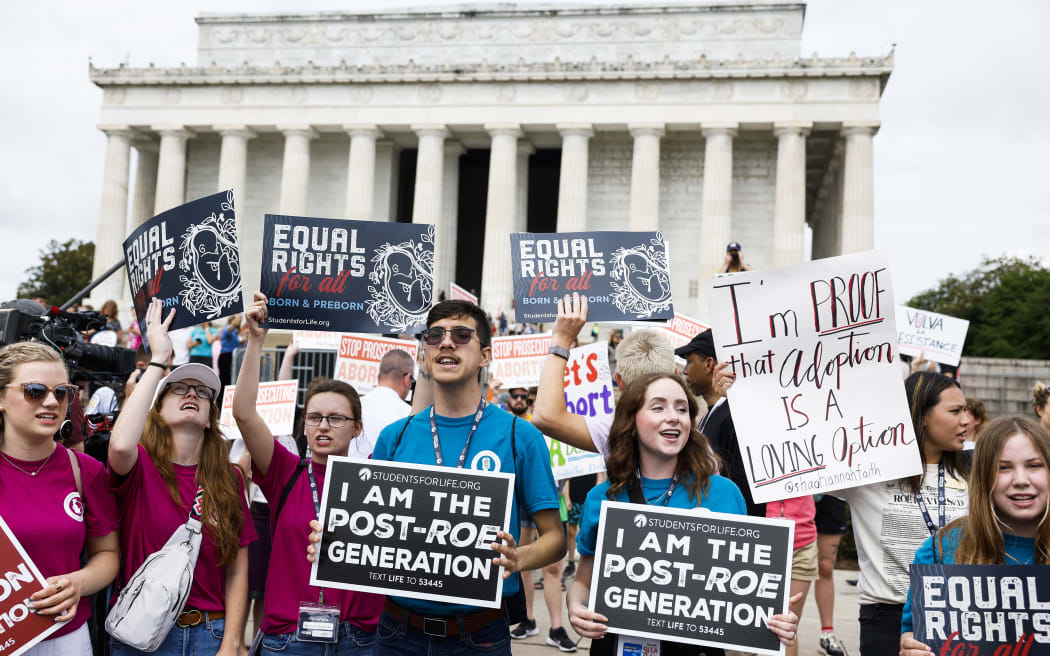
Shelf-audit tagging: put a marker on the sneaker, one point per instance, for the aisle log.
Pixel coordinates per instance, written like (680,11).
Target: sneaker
(560,639)
(570,570)
(830,645)
(524,630)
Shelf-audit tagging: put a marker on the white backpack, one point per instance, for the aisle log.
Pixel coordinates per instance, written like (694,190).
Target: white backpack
(156,593)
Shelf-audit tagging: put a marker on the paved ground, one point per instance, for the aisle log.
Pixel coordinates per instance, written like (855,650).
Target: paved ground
(846,627)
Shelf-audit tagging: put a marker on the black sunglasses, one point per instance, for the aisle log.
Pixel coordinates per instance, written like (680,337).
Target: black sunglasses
(37,392)
(460,335)
(519,397)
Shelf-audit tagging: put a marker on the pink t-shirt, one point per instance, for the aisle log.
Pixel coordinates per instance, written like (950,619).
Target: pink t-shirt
(288,577)
(801,509)
(47,516)
(150,516)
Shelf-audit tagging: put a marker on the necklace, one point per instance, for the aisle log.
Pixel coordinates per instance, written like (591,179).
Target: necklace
(30,473)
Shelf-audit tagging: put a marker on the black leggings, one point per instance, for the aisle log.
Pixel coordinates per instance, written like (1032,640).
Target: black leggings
(880,629)
(607,647)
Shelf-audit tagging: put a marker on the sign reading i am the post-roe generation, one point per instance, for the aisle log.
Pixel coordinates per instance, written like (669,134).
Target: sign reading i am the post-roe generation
(410,530)
(347,276)
(692,576)
(625,276)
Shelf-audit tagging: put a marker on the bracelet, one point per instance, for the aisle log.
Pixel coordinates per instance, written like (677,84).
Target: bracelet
(157,365)
(559,351)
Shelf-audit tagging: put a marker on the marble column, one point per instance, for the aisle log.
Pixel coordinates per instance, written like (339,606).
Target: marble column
(448,233)
(497,288)
(113,213)
(233,162)
(171,167)
(143,197)
(295,169)
(361,172)
(388,168)
(521,218)
(716,206)
(430,182)
(789,215)
(645,177)
(858,201)
(572,183)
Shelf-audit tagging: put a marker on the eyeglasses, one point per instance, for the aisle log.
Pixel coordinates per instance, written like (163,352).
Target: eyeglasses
(201,391)
(37,392)
(519,397)
(335,421)
(460,335)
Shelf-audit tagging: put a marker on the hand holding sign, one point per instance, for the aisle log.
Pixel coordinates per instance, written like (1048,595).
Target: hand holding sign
(59,598)
(508,558)
(255,317)
(157,331)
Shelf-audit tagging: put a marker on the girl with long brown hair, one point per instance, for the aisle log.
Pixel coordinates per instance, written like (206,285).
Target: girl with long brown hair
(166,448)
(1007,524)
(655,446)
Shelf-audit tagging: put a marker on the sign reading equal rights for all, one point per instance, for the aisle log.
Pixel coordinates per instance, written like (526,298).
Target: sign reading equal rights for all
(359,357)
(412,530)
(692,576)
(275,403)
(818,401)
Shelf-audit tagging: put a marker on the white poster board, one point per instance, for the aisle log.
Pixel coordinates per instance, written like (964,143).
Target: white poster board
(518,359)
(588,392)
(359,356)
(317,340)
(457,293)
(936,337)
(682,329)
(818,403)
(275,403)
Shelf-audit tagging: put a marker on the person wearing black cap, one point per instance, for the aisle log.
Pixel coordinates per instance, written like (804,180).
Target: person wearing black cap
(717,425)
(734,260)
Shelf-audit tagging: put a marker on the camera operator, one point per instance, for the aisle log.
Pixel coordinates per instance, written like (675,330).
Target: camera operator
(734,262)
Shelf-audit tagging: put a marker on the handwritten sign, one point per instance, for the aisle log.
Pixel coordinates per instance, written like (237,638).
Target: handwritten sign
(457,293)
(518,359)
(22,628)
(275,403)
(339,275)
(936,337)
(568,461)
(188,257)
(818,402)
(682,329)
(317,340)
(359,356)
(588,382)
(624,275)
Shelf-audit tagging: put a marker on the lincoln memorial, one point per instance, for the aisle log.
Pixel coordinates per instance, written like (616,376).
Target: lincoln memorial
(703,121)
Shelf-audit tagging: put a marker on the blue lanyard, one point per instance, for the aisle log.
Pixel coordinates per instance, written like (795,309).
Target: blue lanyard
(666,496)
(941,500)
(438,458)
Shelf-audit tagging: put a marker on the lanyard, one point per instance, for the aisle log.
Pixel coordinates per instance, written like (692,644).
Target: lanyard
(940,502)
(437,442)
(317,510)
(666,496)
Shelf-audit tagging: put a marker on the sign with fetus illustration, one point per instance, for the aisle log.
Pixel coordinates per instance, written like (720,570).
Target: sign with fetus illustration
(624,275)
(347,276)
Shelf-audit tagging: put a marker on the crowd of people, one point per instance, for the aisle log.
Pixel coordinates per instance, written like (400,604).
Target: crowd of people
(981,498)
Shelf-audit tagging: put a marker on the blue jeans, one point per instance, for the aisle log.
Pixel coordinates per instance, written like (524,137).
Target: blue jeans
(201,640)
(394,638)
(352,642)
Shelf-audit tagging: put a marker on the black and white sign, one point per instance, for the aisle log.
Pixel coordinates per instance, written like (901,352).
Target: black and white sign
(625,276)
(692,576)
(413,530)
(1000,610)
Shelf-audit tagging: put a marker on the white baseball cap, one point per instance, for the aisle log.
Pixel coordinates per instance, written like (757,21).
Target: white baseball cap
(193,370)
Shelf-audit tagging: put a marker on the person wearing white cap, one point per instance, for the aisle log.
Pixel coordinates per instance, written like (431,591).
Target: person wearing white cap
(182,456)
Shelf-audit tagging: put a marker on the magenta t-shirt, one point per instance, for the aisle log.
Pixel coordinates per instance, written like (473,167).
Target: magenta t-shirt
(150,516)
(47,516)
(288,576)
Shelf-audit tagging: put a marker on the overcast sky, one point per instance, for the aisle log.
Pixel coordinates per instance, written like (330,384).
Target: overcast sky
(962,162)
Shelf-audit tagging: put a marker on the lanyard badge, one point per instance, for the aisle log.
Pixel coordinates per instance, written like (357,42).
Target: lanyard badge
(637,646)
(440,459)
(317,622)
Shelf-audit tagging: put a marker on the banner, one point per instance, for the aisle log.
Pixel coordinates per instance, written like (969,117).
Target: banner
(359,356)
(698,577)
(317,340)
(517,360)
(412,530)
(275,403)
(20,580)
(347,276)
(936,337)
(461,294)
(624,275)
(818,401)
(981,609)
(188,257)
(682,329)
(569,462)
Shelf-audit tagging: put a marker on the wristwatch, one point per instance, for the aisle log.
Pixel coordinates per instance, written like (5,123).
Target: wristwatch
(559,351)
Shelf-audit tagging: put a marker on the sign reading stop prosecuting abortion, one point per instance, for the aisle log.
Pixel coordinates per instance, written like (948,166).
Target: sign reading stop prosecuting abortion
(412,530)
(359,357)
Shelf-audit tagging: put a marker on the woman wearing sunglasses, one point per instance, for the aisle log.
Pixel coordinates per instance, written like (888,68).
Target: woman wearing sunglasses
(182,451)
(331,419)
(41,498)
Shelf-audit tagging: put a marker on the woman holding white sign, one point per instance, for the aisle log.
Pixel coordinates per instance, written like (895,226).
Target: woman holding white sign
(341,621)
(654,443)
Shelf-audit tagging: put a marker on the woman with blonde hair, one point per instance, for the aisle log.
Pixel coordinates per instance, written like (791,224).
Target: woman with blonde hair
(165,452)
(1040,395)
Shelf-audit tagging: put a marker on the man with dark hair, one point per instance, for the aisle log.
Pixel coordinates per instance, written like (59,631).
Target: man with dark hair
(385,404)
(461,429)
(518,402)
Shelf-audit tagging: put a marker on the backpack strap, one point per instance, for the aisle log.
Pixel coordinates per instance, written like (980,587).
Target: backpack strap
(75,464)
(288,488)
(402,434)
(634,491)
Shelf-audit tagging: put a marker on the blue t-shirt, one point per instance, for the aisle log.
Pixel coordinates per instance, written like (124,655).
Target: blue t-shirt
(204,348)
(1020,550)
(490,450)
(230,340)
(722,496)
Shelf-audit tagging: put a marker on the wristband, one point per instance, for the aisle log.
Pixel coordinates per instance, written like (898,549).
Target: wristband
(158,365)
(559,351)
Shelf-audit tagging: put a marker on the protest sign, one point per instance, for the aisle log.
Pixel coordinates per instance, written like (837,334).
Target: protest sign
(568,461)
(340,275)
(993,610)
(359,356)
(518,359)
(413,530)
(457,293)
(682,329)
(588,391)
(692,576)
(275,403)
(187,257)
(21,628)
(317,340)
(818,401)
(936,337)
(624,275)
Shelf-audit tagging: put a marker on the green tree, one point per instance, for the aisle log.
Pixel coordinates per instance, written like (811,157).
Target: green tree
(1005,300)
(64,270)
